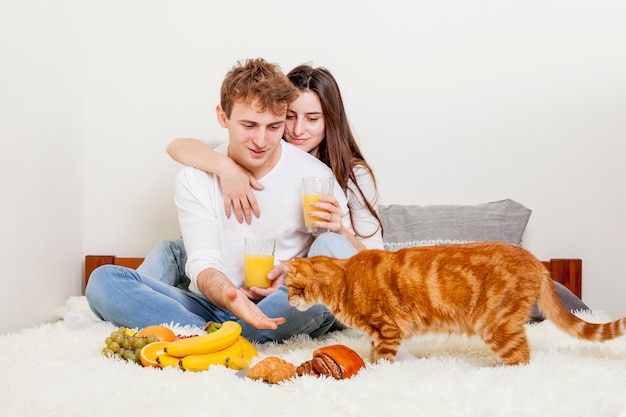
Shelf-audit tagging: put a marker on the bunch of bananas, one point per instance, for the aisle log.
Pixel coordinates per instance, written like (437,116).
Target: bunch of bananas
(222,345)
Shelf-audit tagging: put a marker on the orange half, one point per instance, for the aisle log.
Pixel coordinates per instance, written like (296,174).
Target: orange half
(149,353)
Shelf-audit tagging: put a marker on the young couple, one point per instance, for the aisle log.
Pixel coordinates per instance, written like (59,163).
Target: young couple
(257,177)
(251,187)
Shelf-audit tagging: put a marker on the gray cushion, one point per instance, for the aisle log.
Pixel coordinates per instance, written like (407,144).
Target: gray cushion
(412,225)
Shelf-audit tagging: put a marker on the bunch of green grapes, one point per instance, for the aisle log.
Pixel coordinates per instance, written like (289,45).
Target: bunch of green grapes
(123,345)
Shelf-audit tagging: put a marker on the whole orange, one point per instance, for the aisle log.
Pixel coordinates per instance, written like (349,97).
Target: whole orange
(164,334)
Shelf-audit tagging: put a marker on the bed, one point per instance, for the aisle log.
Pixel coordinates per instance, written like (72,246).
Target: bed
(414,225)
(564,270)
(57,369)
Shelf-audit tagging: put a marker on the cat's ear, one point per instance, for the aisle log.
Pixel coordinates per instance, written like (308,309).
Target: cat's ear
(289,266)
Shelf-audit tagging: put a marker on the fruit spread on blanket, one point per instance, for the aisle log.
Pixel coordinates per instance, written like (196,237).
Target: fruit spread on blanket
(159,347)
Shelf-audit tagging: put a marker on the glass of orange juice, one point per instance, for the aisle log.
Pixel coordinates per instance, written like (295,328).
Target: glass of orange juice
(258,260)
(313,188)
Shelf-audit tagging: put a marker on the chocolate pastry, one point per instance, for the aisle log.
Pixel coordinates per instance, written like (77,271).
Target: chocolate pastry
(337,361)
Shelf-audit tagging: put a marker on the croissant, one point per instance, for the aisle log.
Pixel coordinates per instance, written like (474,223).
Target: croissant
(337,361)
(272,369)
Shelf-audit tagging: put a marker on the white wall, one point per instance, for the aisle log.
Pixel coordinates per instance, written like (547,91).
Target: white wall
(466,102)
(41,159)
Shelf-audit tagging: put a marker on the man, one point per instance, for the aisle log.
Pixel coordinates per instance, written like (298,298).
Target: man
(254,99)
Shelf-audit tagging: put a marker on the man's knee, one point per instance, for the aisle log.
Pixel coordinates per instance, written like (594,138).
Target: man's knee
(96,289)
(174,247)
(99,276)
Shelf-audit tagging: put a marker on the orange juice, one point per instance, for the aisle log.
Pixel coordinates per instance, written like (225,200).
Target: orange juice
(255,269)
(308,199)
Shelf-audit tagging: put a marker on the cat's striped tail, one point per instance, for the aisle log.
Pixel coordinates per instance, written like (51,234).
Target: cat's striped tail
(552,307)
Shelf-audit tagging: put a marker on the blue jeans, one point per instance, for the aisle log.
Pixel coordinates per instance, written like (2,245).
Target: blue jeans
(156,293)
(333,245)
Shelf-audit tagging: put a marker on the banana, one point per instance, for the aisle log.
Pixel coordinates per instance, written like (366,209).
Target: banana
(249,351)
(215,341)
(202,362)
(166,360)
(237,364)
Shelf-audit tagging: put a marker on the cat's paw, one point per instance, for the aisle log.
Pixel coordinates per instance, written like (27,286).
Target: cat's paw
(404,355)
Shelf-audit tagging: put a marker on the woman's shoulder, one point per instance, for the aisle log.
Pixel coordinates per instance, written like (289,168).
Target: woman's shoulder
(364,178)
(362,170)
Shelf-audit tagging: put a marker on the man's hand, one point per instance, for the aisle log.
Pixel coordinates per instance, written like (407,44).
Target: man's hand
(277,278)
(242,307)
(221,292)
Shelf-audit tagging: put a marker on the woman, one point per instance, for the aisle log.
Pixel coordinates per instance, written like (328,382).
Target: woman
(316,123)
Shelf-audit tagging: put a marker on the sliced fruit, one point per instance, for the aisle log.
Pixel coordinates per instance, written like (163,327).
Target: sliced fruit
(164,334)
(150,352)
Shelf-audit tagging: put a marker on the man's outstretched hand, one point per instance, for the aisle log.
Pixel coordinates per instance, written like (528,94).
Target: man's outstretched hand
(242,307)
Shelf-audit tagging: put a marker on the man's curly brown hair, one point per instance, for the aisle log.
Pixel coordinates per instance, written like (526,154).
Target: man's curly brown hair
(260,82)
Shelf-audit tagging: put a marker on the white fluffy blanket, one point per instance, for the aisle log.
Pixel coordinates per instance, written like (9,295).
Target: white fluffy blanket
(56,370)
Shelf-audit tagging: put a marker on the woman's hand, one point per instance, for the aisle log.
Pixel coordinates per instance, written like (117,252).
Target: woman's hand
(237,184)
(334,220)
(330,214)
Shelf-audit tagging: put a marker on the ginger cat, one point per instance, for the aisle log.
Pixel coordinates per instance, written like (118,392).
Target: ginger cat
(477,288)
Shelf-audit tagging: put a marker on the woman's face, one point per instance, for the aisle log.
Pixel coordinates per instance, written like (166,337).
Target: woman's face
(305,126)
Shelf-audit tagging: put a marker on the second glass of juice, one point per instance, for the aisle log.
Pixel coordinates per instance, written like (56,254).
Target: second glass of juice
(258,260)
(312,189)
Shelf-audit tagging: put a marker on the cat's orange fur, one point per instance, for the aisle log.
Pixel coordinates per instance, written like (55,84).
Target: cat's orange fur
(478,288)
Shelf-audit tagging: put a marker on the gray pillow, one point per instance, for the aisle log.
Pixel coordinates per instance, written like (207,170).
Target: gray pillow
(410,225)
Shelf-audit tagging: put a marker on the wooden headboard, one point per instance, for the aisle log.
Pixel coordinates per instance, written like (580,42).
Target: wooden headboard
(568,272)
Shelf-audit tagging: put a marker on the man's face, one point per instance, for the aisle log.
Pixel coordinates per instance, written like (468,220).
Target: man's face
(253,136)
